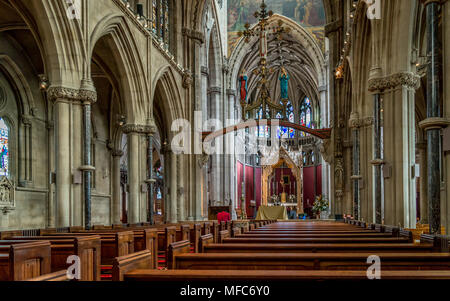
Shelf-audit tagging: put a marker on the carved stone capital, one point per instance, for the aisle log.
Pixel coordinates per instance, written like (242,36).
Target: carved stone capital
(55,93)
(204,70)
(203,160)
(354,121)
(117,153)
(187,79)
(215,90)
(26,119)
(194,35)
(70,94)
(392,81)
(138,129)
(231,92)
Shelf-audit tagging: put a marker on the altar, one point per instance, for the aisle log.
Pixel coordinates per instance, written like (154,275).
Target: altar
(272,213)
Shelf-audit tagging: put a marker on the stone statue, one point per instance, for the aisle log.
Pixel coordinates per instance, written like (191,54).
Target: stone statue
(284,82)
(243,78)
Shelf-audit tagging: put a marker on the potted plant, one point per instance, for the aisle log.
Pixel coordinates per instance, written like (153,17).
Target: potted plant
(320,205)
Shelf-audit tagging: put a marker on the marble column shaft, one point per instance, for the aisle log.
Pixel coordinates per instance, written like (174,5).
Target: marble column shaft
(173,188)
(377,156)
(433,110)
(356,175)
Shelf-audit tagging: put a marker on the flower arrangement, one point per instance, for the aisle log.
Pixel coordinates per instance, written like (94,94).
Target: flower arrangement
(320,205)
(274,198)
(292,198)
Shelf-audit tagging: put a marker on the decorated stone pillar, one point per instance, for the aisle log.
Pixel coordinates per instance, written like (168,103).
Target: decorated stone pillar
(434,122)
(134,134)
(422,148)
(173,188)
(399,146)
(230,146)
(116,197)
(446,106)
(377,156)
(354,124)
(217,158)
(150,181)
(62,98)
(88,96)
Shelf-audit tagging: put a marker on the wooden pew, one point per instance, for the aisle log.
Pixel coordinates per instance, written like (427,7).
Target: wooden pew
(318,248)
(175,249)
(314,235)
(310,261)
(260,275)
(113,244)
(204,241)
(138,260)
(329,240)
(224,234)
(24,260)
(87,248)
(56,276)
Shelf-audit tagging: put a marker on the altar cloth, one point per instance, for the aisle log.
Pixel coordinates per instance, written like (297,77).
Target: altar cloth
(272,213)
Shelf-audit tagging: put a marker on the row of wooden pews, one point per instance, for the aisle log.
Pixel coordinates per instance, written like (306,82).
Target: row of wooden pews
(305,251)
(105,252)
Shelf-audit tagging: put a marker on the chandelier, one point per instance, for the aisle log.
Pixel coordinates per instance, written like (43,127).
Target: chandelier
(262,31)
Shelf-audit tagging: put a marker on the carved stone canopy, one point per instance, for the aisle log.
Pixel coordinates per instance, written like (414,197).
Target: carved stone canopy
(7,195)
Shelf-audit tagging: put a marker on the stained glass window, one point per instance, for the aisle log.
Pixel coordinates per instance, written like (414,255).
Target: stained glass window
(161,20)
(263,131)
(305,115)
(154,15)
(4,148)
(158,194)
(284,132)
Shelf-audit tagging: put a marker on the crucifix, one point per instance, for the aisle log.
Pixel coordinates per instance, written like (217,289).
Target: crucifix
(262,30)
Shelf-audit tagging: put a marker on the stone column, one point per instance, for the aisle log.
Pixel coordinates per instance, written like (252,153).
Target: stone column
(134,133)
(62,97)
(378,156)
(434,123)
(150,180)
(217,158)
(446,100)
(180,191)
(88,96)
(354,124)
(422,147)
(116,197)
(173,188)
(230,147)
(399,146)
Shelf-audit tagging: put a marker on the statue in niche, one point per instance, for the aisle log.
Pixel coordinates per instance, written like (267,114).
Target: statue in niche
(243,78)
(7,198)
(284,82)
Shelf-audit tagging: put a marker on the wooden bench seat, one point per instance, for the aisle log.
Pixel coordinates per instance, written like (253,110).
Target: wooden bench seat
(261,275)
(87,248)
(311,261)
(317,248)
(332,235)
(318,240)
(24,260)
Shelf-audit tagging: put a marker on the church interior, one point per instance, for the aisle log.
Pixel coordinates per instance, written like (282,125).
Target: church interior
(224,139)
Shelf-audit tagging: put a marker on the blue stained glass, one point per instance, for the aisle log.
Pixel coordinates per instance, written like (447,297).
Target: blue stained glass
(306,115)
(4,148)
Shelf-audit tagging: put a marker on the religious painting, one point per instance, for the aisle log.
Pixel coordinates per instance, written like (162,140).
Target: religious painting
(308,13)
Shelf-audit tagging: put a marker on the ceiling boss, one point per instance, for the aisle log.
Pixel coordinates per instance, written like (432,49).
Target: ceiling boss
(263,100)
